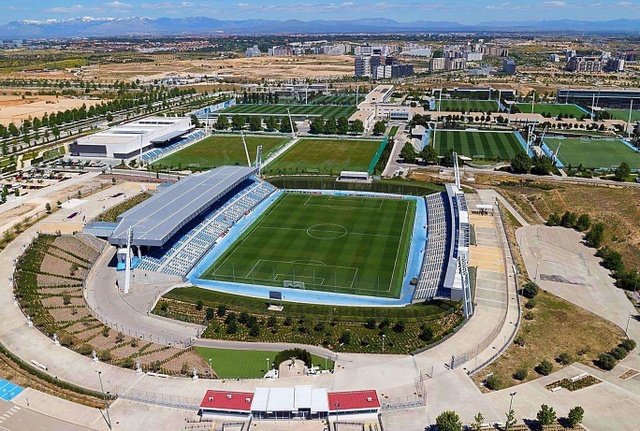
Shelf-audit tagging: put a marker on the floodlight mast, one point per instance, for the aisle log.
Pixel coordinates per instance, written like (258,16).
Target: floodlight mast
(127,263)
(246,150)
(293,131)
(456,169)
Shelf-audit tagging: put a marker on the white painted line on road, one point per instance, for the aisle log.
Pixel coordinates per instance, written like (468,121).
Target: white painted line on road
(492,290)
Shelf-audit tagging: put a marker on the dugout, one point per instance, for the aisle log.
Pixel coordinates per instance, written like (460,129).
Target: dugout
(355,176)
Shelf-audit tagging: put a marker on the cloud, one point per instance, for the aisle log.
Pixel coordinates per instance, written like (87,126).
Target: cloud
(118,5)
(167,5)
(555,3)
(76,8)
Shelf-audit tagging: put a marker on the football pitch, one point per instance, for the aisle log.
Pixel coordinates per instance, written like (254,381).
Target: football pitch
(351,245)
(325,156)
(623,114)
(220,150)
(594,153)
(478,145)
(324,111)
(552,109)
(336,99)
(455,105)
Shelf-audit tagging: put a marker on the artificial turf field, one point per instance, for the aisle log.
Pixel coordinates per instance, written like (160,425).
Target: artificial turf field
(351,245)
(478,145)
(324,111)
(325,156)
(336,99)
(220,150)
(594,153)
(623,114)
(455,105)
(552,109)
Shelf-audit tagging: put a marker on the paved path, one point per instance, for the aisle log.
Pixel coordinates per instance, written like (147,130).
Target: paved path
(489,196)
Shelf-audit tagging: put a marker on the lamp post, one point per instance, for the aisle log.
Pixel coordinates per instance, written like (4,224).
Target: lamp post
(383,338)
(106,404)
(337,404)
(512,395)
(267,368)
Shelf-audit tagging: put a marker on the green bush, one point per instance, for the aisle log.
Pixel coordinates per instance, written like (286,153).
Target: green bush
(606,361)
(285,355)
(521,374)
(545,368)
(565,358)
(628,344)
(619,353)
(530,290)
(493,382)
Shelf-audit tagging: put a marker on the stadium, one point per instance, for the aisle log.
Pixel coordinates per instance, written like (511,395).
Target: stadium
(228,230)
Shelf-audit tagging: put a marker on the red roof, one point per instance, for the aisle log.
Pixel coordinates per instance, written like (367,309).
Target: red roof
(225,400)
(358,400)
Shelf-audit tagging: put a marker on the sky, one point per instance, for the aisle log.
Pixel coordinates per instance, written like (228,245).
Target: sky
(466,12)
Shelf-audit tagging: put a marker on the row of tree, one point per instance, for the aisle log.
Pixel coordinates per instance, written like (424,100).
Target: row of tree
(537,165)
(255,124)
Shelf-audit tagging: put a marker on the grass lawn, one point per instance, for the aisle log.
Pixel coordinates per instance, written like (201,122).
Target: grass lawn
(325,156)
(623,114)
(478,145)
(111,215)
(594,153)
(455,105)
(337,244)
(246,364)
(325,111)
(336,99)
(557,327)
(220,150)
(552,109)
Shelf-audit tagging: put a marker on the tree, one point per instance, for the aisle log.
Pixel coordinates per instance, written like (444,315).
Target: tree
(565,358)
(210,314)
(345,338)
(546,415)
(357,127)
(520,374)
(622,172)
(237,122)
(379,127)
(545,368)
(429,154)
(511,419)
(222,123)
(569,219)
(195,121)
(448,421)
(595,235)
(478,421)
(408,153)
(583,223)
(530,290)
(342,126)
(255,123)
(285,125)
(317,126)
(521,163)
(542,165)
(330,126)
(493,382)
(553,220)
(47,208)
(575,416)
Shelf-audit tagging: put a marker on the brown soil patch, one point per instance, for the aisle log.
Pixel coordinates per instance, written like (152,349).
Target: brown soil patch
(52,280)
(66,314)
(15,109)
(58,301)
(158,355)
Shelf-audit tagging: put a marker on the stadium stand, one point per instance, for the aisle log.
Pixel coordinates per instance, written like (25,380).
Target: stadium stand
(436,249)
(197,239)
(156,153)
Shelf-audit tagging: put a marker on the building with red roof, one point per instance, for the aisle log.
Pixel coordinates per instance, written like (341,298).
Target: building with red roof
(226,403)
(354,402)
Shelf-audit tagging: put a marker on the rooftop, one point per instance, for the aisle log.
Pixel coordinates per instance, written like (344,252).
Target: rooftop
(358,400)
(226,400)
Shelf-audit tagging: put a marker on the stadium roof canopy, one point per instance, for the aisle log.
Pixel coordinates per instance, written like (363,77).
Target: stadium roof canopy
(168,136)
(157,219)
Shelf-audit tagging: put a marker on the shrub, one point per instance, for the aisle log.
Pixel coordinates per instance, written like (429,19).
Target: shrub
(606,361)
(493,382)
(448,421)
(199,304)
(519,341)
(104,356)
(371,323)
(134,342)
(564,358)
(128,363)
(345,338)
(619,353)
(545,368)
(528,315)
(232,327)
(530,304)
(105,331)
(119,337)
(210,314)
(530,290)
(384,324)
(398,327)
(521,374)
(84,349)
(628,344)
(66,299)
(221,310)
(426,334)
(575,416)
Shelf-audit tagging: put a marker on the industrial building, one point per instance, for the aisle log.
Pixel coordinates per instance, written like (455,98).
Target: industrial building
(130,140)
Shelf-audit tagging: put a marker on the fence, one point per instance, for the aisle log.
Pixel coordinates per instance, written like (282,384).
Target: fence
(158,399)
(377,155)
(329,183)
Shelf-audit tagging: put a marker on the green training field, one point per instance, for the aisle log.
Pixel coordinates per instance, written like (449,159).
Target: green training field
(336,99)
(455,105)
(325,156)
(623,114)
(552,109)
(352,245)
(324,111)
(478,145)
(220,150)
(246,364)
(594,153)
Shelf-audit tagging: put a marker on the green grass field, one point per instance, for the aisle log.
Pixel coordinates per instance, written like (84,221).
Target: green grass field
(552,109)
(478,145)
(324,111)
(594,153)
(455,105)
(623,114)
(325,156)
(336,99)
(336,244)
(220,150)
(246,364)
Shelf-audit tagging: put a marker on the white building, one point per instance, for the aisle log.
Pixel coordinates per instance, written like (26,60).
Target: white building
(128,140)
(253,51)
(437,64)
(473,56)
(554,58)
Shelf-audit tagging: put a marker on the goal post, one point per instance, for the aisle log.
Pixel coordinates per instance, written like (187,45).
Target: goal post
(290,284)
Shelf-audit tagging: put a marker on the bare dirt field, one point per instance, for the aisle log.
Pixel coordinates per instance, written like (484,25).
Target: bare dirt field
(239,69)
(15,108)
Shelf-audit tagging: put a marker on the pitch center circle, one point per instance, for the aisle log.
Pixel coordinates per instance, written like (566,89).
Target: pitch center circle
(327,231)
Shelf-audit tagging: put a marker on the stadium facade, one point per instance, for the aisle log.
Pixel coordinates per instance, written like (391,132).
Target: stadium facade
(182,229)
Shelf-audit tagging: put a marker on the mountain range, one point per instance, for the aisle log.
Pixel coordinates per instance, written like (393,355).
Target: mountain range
(138,26)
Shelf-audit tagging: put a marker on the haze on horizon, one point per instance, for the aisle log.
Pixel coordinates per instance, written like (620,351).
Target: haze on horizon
(464,12)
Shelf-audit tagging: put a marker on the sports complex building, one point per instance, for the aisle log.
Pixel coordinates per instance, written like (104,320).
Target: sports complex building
(228,230)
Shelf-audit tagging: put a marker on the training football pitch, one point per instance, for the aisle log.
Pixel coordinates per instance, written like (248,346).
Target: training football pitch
(329,156)
(455,105)
(478,145)
(336,99)
(351,245)
(220,150)
(623,114)
(594,153)
(552,109)
(324,111)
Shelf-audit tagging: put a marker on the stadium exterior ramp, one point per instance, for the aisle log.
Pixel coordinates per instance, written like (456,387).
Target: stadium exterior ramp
(159,218)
